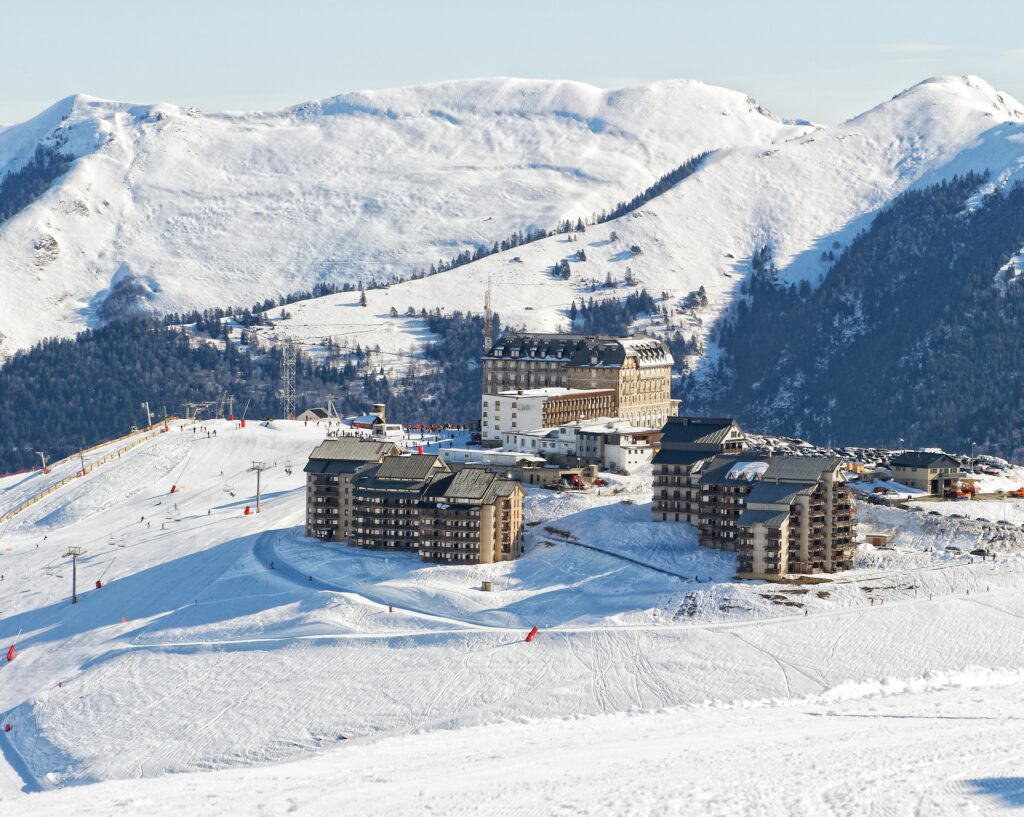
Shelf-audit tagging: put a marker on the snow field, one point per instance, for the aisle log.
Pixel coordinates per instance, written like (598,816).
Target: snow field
(222,662)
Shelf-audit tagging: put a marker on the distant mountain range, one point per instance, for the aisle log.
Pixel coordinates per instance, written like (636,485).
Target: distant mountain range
(109,209)
(187,209)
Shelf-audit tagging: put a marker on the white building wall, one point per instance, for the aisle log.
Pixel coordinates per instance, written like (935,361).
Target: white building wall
(509,411)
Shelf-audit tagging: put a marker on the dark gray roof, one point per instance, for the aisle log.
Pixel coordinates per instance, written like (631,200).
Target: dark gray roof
(924,459)
(800,468)
(580,350)
(778,493)
(409,467)
(695,430)
(716,472)
(333,466)
(667,457)
(781,469)
(468,485)
(347,449)
(772,519)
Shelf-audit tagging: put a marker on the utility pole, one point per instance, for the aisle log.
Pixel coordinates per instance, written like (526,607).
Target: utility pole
(149,414)
(74,552)
(259,468)
(287,391)
(42,456)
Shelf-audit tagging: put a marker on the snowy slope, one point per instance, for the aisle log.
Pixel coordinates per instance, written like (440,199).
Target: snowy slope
(942,747)
(807,195)
(220,639)
(217,209)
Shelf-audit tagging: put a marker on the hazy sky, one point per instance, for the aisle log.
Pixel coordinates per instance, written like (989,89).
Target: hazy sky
(823,60)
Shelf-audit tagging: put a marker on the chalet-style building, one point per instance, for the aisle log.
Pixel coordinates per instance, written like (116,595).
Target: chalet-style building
(415,503)
(779,514)
(924,470)
(329,474)
(637,369)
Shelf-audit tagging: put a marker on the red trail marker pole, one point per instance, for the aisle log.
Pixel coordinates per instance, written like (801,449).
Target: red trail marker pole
(530,635)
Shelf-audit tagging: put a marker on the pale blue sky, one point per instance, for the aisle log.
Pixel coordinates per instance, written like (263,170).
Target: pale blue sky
(825,61)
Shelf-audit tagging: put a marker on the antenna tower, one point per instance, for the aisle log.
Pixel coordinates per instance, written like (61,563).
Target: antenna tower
(488,320)
(287,391)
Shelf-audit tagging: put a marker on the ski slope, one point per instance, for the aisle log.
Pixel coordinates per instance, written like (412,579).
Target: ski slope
(945,748)
(221,641)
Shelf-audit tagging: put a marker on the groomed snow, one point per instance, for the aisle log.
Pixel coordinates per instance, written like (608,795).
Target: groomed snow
(221,640)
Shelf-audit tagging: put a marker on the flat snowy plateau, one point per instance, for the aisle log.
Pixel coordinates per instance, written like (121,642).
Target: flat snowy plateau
(228,665)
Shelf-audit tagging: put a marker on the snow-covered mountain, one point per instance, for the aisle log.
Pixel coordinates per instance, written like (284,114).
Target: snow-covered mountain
(802,196)
(207,210)
(221,209)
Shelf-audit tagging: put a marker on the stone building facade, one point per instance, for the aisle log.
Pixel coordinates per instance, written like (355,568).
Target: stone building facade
(637,369)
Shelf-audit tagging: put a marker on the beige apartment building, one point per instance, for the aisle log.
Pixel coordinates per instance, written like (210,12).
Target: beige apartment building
(779,514)
(329,474)
(414,503)
(637,369)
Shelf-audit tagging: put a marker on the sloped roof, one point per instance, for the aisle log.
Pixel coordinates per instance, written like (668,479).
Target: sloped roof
(771,519)
(334,466)
(581,350)
(409,467)
(669,457)
(716,472)
(353,450)
(800,468)
(468,484)
(924,459)
(780,469)
(778,493)
(696,430)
